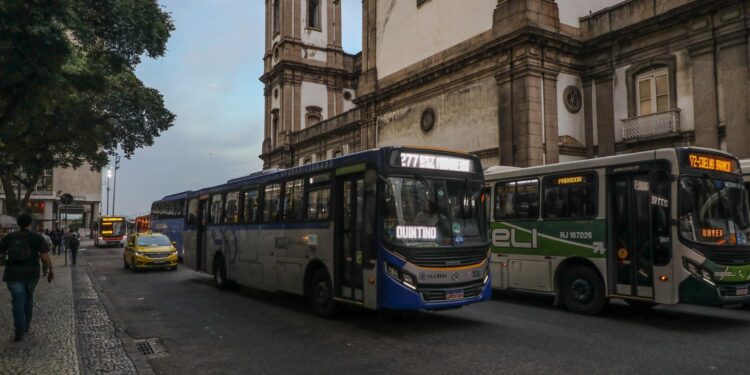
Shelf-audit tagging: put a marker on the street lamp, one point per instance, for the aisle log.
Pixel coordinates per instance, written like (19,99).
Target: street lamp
(109,175)
(114,189)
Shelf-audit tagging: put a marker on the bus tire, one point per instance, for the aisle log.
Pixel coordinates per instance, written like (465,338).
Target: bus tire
(583,290)
(321,296)
(220,273)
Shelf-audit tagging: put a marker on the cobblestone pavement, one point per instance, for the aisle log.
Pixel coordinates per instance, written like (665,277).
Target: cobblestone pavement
(71,332)
(100,351)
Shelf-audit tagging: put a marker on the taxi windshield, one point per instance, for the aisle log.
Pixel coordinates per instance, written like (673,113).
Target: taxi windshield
(434,212)
(153,241)
(714,211)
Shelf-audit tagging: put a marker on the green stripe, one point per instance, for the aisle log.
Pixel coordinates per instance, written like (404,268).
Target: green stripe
(350,169)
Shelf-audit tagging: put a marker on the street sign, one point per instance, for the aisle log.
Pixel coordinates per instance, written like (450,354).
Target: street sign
(66,198)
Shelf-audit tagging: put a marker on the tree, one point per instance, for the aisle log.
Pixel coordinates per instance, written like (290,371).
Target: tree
(68,90)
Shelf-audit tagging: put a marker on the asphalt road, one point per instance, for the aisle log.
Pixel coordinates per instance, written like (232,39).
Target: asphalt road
(209,331)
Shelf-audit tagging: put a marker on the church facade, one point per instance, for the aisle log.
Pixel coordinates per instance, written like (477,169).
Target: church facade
(506,80)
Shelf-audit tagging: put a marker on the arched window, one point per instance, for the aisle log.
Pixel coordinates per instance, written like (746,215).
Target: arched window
(276,15)
(313,14)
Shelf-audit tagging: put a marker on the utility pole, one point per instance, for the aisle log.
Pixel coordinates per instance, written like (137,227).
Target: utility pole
(109,175)
(114,192)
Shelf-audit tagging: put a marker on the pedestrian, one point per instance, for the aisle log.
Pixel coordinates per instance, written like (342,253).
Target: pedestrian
(73,244)
(63,242)
(22,250)
(48,240)
(55,241)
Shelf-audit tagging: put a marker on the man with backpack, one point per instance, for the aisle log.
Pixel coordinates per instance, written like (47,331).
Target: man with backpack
(22,251)
(73,244)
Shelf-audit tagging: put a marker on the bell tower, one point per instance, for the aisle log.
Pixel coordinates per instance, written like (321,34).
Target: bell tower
(304,73)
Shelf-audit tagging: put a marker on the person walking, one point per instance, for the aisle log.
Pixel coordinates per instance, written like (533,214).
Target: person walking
(56,241)
(48,240)
(22,251)
(73,244)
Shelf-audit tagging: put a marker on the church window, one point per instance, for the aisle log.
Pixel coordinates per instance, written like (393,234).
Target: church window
(276,15)
(652,89)
(313,14)
(572,99)
(313,115)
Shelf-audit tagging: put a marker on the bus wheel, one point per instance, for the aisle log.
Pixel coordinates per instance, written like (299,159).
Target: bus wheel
(322,295)
(220,274)
(583,291)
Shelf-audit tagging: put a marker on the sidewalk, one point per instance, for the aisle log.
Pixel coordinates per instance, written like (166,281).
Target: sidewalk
(71,332)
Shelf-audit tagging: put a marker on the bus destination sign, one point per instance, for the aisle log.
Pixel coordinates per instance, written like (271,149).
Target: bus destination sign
(106,219)
(711,163)
(436,162)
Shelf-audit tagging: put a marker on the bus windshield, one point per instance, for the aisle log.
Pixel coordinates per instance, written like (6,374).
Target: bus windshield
(113,229)
(434,212)
(714,211)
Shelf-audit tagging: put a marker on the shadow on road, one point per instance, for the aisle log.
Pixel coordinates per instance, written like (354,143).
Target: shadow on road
(678,318)
(381,321)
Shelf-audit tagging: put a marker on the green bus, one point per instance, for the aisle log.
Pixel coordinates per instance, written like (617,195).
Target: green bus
(658,227)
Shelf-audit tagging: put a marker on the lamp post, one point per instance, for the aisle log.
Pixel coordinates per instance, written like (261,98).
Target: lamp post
(109,175)
(114,189)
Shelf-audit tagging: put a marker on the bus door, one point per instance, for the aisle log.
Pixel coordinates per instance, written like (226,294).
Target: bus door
(630,245)
(349,255)
(200,246)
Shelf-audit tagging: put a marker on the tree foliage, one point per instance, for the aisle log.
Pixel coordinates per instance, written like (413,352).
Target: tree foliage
(68,90)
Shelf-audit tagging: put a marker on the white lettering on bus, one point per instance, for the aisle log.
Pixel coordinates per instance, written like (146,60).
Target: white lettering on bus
(507,238)
(408,232)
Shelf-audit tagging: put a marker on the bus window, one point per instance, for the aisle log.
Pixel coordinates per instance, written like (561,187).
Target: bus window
(271,200)
(216,209)
(250,206)
(192,216)
(231,212)
(293,201)
(317,203)
(517,199)
(570,196)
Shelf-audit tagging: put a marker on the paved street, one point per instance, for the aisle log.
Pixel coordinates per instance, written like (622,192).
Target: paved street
(205,330)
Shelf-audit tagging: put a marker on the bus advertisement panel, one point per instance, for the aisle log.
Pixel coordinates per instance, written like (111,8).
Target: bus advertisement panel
(394,228)
(660,227)
(110,231)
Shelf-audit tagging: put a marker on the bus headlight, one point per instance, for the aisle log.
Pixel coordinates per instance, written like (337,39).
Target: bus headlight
(404,277)
(698,271)
(486,275)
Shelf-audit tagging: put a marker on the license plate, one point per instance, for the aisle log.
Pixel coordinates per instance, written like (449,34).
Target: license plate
(157,263)
(454,294)
(741,291)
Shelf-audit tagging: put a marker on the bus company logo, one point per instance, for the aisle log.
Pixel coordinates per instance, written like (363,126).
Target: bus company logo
(454,276)
(432,276)
(502,237)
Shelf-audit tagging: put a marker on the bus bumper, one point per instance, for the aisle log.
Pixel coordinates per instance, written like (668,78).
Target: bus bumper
(698,292)
(396,296)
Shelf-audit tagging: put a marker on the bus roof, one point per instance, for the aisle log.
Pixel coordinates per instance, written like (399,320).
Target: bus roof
(375,156)
(173,197)
(493,174)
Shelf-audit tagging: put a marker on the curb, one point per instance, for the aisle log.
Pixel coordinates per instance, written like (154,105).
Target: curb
(139,361)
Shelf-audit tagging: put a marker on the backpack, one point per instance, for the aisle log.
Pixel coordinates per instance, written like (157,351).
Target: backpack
(19,249)
(74,242)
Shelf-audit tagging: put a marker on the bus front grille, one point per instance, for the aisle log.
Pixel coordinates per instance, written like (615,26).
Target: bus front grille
(448,260)
(729,257)
(438,294)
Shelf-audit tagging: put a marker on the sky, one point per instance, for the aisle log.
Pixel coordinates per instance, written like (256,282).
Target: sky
(209,78)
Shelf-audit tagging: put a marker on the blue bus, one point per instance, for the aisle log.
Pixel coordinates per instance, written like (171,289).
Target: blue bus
(168,218)
(392,228)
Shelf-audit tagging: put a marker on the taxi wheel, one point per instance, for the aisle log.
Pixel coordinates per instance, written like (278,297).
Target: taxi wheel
(173,268)
(134,268)
(125,263)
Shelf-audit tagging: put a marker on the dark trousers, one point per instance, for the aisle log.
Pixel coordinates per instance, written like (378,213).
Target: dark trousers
(73,254)
(22,294)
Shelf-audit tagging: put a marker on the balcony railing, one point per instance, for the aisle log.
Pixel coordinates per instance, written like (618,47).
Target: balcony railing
(325,126)
(653,125)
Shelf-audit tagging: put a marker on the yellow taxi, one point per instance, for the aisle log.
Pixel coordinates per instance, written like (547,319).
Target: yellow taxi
(148,250)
